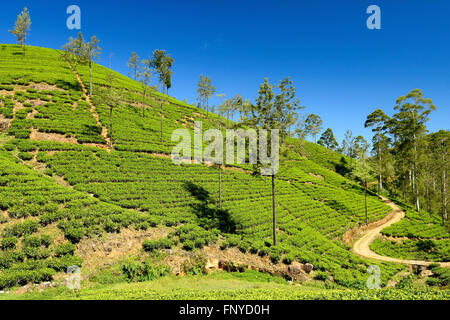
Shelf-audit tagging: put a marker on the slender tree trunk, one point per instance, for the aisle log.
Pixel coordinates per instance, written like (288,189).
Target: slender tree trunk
(110,128)
(365,199)
(274,204)
(379,168)
(220,187)
(444,194)
(162,121)
(143,105)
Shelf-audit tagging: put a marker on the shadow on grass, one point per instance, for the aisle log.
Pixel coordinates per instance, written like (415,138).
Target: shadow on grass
(206,210)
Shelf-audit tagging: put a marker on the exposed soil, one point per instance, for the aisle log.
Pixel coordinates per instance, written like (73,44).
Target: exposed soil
(37,136)
(104,133)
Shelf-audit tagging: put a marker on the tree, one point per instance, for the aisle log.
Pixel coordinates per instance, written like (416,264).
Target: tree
(83,52)
(328,140)
(313,125)
(205,91)
(273,111)
(230,106)
(144,75)
(162,63)
(440,153)
(379,122)
(22,27)
(133,64)
(360,145)
(408,126)
(112,98)
(347,143)
(362,171)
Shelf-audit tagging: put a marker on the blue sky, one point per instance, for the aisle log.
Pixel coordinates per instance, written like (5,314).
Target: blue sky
(341,69)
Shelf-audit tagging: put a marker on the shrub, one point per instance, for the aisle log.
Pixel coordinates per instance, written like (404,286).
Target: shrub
(25,156)
(426,245)
(189,245)
(64,249)
(288,259)
(74,235)
(263,252)
(275,257)
(32,241)
(46,240)
(322,276)
(143,271)
(153,245)
(196,265)
(9,243)
(62,263)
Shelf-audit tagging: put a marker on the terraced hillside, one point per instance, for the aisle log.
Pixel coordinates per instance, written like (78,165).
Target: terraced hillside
(61,185)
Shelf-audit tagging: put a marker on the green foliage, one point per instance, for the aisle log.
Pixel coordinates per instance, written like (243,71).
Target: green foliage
(9,243)
(195,265)
(134,271)
(154,245)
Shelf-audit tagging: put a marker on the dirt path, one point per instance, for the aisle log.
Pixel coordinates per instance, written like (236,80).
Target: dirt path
(104,133)
(361,247)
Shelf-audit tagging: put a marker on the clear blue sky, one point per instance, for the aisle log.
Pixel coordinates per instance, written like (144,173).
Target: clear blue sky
(342,70)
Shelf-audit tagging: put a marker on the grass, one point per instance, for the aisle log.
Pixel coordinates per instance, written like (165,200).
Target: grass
(128,188)
(224,286)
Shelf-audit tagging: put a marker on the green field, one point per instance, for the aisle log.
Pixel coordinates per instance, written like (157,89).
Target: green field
(60,186)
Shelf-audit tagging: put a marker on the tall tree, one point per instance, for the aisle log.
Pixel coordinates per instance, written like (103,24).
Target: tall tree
(347,143)
(83,52)
(360,145)
(162,63)
(22,27)
(379,122)
(133,64)
(205,91)
(328,140)
(408,127)
(362,171)
(112,98)
(230,106)
(274,111)
(144,75)
(313,125)
(440,150)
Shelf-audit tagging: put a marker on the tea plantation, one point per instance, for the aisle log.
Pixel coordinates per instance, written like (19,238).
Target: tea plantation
(60,184)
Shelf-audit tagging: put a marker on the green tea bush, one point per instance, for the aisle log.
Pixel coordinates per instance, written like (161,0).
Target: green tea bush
(153,245)
(9,243)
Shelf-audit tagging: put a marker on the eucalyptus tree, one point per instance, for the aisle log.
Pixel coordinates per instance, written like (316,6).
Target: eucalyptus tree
(328,140)
(362,171)
(22,27)
(439,147)
(273,111)
(133,64)
(144,75)
(112,98)
(379,122)
(162,63)
(313,125)
(408,126)
(205,91)
(83,52)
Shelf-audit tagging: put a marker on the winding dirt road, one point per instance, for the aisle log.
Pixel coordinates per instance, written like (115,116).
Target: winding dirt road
(361,247)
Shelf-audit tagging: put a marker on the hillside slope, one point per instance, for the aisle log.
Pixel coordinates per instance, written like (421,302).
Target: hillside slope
(81,189)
